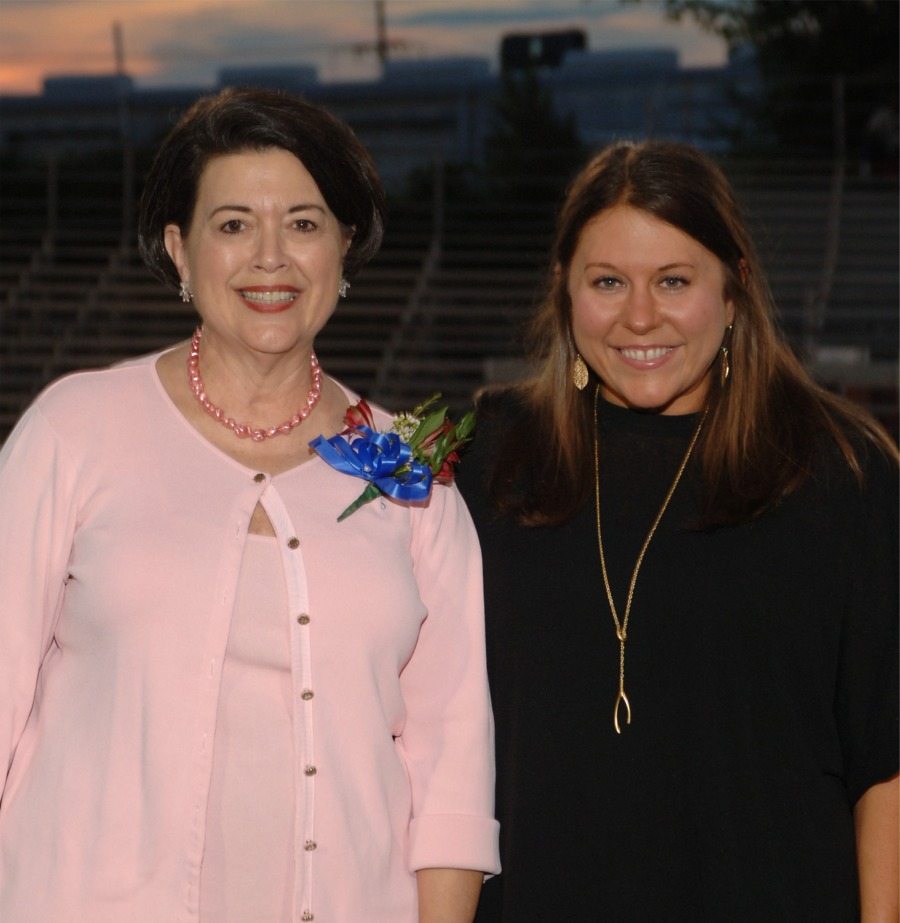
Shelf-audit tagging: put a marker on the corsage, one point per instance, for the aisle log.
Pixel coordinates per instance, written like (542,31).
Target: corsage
(421,448)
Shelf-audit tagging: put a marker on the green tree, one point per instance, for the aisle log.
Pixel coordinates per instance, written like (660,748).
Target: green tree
(531,150)
(801,46)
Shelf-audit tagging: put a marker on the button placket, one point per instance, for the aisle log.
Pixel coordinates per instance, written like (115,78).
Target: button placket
(303,719)
(306,697)
(303,694)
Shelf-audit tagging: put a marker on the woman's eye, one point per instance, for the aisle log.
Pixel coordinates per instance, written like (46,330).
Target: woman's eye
(606,283)
(673,283)
(232,226)
(304,224)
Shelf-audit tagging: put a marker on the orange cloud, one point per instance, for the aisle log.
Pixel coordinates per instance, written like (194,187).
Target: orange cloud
(44,37)
(187,41)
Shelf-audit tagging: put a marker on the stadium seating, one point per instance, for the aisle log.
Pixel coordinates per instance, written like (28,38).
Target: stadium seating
(444,308)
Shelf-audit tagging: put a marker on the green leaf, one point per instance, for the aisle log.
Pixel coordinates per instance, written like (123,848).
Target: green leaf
(419,409)
(466,426)
(433,421)
(440,451)
(442,447)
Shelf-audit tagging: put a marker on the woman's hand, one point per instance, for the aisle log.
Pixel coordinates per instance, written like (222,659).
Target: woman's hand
(448,895)
(877,831)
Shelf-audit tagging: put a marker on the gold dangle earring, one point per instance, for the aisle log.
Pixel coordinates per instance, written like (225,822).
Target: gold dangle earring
(579,372)
(725,367)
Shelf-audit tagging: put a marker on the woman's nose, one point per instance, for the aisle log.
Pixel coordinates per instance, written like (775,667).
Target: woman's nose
(640,314)
(270,253)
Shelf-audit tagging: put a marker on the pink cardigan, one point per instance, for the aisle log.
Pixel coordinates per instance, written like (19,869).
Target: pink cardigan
(121,537)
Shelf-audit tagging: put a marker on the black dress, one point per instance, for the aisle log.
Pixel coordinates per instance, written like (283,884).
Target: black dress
(761,666)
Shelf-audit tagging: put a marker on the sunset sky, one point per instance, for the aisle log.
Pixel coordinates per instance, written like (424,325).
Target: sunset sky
(186,42)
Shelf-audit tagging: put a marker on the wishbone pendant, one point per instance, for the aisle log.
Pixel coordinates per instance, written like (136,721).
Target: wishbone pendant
(621,697)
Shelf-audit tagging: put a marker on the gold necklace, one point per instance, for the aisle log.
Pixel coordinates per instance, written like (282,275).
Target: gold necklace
(622,624)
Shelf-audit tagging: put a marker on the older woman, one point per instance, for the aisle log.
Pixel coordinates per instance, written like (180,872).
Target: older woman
(218,703)
(690,564)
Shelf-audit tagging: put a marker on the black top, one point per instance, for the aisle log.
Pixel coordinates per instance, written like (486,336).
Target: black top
(761,665)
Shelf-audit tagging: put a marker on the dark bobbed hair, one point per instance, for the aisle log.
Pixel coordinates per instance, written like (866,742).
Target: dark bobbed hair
(238,120)
(764,423)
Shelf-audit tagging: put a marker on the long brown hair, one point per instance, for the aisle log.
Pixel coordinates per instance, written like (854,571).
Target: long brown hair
(763,425)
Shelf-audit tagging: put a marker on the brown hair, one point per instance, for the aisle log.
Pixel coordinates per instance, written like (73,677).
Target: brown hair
(763,425)
(237,120)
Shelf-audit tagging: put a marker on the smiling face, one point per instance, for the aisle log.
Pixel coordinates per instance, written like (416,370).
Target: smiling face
(262,255)
(648,310)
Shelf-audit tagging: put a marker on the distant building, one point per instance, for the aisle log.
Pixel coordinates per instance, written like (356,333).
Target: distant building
(418,110)
(298,79)
(643,92)
(522,50)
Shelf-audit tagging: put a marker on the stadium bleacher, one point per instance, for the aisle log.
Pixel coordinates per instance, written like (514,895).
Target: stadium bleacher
(443,308)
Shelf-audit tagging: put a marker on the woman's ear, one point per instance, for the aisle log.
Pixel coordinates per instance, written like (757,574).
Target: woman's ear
(729,312)
(349,233)
(174,244)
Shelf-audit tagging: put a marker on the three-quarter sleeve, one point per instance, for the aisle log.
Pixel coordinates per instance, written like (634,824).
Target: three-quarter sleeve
(37,522)
(867,685)
(447,739)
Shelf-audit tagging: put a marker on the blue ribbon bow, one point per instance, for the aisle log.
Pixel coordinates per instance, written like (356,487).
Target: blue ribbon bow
(376,457)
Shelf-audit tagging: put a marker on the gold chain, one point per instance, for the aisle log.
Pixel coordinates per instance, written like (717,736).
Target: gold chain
(622,624)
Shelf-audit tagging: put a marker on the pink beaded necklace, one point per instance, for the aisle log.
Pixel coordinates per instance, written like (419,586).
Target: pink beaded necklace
(243,430)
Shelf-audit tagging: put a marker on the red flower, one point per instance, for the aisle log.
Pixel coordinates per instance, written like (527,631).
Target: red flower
(359,415)
(445,474)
